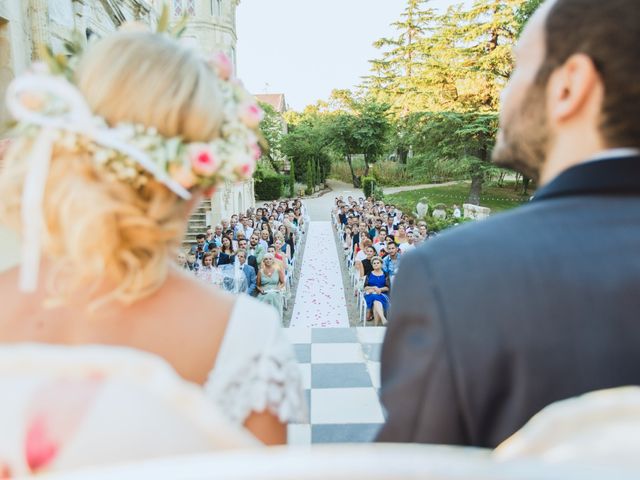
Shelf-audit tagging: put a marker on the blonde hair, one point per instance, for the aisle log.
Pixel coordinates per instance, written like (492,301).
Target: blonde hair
(99,231)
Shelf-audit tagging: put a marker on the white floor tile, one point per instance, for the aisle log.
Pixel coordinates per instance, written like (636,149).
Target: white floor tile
(305,373)
(299,435)
(336,353)
(374,373)
(371,334)
(345,405)
(298,334)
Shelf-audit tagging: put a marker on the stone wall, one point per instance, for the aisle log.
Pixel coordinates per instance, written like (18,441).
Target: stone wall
(476,212)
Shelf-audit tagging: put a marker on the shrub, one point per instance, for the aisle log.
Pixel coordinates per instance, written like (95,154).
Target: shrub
(292,180)
(269,187)
(368,186)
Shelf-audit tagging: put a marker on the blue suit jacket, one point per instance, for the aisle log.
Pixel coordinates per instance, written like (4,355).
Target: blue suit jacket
(250,273)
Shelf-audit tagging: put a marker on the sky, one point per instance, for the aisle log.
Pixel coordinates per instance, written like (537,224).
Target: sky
(306,48)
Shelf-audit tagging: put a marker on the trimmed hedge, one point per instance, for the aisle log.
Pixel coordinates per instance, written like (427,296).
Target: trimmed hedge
(269,187)
(368,186)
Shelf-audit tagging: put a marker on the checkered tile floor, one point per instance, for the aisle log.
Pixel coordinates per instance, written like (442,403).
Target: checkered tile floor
(340,368)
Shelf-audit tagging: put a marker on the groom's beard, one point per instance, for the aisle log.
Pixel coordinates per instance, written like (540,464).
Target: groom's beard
(524,137)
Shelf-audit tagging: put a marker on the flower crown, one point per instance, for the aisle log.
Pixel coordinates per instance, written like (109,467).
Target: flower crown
(45,98)
(49,107)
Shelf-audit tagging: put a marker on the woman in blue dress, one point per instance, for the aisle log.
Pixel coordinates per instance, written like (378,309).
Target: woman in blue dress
(376,292)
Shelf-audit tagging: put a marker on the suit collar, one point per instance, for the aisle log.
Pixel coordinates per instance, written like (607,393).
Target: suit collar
(609,176)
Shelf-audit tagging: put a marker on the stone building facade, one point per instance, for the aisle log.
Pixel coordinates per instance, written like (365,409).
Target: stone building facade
(25,24)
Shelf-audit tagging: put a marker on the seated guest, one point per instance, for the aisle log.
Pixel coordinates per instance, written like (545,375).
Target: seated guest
(200,248)
(192,263)
(219,258)
(391,260)
(181,260)
(278,257)
(217,236)
(409,244)
(347,239)
(207,271)
(249,272)
(270,283)
(376,292)
(255,248)
(227,246)
(282,248)
(401,235)
(364,266)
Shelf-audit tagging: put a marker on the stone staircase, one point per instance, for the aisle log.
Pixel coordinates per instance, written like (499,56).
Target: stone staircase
(197,223)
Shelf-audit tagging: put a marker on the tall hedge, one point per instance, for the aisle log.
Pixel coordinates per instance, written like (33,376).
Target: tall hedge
(368,186)
(269,187)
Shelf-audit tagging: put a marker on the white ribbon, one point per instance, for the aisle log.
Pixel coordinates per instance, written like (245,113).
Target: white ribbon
(76,117)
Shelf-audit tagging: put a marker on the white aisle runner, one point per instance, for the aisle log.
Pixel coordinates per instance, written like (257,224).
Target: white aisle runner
(320,300)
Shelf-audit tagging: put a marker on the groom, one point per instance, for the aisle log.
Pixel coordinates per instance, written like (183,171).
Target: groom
(494,321)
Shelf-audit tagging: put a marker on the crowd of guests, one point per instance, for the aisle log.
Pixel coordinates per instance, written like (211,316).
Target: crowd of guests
(374,236)
(252,253)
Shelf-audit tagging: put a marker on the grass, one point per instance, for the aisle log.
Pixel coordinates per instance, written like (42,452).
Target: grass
(496,198)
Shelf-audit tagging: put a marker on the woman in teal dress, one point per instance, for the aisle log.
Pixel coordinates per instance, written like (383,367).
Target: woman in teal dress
(270,283)
(376,292)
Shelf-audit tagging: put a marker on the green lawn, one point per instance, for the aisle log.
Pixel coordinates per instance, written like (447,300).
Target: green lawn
(496,198)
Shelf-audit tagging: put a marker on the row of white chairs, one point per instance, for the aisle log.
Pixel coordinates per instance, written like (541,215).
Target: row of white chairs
(293,261)
(355,280)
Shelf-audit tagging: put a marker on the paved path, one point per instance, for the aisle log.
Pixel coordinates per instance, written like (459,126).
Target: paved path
(390,190)
(320,300)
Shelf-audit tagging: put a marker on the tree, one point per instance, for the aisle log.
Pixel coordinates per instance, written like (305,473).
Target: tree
(306,145)
(343,140)
(395,77)
(458,144)
(372,128)
(273,128)
(525,12)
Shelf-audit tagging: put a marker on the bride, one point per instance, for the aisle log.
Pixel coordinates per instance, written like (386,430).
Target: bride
(100,179)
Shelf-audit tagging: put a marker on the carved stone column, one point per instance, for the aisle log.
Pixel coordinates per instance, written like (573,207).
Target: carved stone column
(38,14)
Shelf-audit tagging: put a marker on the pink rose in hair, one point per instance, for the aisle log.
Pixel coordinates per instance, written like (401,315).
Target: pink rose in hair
(203,161)
(223,65)
(251,114)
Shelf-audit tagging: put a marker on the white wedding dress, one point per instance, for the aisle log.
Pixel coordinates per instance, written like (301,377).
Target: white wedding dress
(67,407)
(256,369)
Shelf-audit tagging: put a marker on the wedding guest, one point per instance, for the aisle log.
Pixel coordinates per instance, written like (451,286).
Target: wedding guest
(248,271)
(364,266)
(192,263)
(227,246)
(391,260)
(181,260)
(376,290)
(270,283)
(265,239)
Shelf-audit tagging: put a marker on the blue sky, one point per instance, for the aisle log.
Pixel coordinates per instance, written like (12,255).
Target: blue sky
(306,48)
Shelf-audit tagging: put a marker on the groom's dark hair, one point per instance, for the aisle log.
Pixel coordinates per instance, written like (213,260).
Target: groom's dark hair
(608,31)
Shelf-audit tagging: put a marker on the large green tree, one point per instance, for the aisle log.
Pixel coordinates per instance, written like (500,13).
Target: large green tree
(395,76)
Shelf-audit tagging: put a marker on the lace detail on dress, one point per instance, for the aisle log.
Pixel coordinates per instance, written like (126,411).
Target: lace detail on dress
(266,382)
(265,379)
